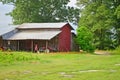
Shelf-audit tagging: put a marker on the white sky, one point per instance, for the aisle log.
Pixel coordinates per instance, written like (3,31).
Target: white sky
(5,19)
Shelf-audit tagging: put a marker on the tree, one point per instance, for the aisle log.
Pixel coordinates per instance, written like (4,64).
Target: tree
(117,24)
(42,11)
(98,17)
(85,39)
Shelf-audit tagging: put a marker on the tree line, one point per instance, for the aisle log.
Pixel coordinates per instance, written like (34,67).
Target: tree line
(102,19)
(42,11)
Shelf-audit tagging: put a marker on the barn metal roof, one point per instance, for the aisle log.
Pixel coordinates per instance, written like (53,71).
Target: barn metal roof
(25,35)
(42,25)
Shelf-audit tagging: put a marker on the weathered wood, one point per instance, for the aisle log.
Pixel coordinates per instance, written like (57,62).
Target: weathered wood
(1,41)
(32,46)
(18,45)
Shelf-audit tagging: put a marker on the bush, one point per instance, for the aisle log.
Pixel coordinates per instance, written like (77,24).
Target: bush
(10,57)
(85,39)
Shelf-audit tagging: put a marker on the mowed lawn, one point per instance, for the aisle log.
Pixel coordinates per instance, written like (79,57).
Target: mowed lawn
(58,66)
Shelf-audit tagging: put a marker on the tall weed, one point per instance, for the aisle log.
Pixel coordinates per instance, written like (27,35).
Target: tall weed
(11,57)
(116,51)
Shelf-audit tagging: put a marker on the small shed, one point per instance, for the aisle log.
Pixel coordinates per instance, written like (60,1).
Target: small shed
(52,36)
(4,30)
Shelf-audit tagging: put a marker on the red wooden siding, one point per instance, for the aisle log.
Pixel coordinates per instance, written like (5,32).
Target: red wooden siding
(64,42)
(1,41)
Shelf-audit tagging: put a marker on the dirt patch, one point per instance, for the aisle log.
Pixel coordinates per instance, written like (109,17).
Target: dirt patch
(68,75)
(117,64)
(27,72)
(85,71)
(64,74)
(46,73)
(90,71)
(100,52)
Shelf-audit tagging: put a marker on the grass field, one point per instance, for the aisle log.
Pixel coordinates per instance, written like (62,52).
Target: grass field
(31,66)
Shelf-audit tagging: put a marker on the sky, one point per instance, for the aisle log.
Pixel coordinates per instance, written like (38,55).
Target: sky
(5,20)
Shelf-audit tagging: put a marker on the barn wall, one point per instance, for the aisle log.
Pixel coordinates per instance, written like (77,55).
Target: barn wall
(64,43)
(12,45)
(74,46)
(1,41)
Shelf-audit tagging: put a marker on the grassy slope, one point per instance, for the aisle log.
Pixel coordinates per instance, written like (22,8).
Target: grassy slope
(27,66)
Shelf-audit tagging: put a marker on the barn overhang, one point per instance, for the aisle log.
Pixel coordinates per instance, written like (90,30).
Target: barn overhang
(32,35)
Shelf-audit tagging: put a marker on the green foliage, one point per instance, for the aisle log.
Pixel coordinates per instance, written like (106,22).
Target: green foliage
(42,11)
(116,51)
(11,57)
(98,16)
(117,24)
(85,39)
(117,12)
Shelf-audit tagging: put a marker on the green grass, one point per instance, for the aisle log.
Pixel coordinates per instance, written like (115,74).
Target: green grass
(31,66)
(116,51)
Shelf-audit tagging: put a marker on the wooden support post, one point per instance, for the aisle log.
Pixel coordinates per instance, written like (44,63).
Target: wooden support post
(46,44)
(18,45)
(47,50)
(32,47)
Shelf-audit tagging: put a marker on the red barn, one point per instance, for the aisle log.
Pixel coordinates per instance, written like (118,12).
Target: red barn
(52,36)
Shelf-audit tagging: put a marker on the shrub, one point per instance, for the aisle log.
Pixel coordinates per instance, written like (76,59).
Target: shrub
(10,57)
(85,39)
